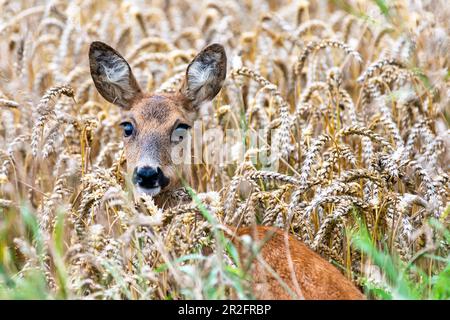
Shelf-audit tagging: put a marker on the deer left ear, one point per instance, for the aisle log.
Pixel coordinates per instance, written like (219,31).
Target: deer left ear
(205,75)
(112,75)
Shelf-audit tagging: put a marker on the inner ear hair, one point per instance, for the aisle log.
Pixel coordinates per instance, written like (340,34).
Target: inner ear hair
(112,75)
(205,74)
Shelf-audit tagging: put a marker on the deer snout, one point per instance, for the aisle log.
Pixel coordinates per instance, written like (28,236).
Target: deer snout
(146,177)
(150,180)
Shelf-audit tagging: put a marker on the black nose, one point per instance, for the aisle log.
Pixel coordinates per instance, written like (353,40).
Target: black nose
(147,177)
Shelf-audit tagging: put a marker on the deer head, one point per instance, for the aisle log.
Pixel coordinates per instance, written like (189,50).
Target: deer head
(153,124)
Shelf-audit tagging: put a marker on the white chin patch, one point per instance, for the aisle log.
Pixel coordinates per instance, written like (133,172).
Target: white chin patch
(150,192)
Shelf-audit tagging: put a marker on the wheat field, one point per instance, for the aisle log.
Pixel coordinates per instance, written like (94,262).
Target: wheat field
(355,93)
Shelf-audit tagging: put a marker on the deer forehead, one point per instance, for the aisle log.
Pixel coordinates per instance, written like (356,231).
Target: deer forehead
(158,111)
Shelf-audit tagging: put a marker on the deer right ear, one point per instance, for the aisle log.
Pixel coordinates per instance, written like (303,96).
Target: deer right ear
(205,75)
(112,75)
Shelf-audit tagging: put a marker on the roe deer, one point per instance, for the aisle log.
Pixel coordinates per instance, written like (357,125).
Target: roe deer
(155,123)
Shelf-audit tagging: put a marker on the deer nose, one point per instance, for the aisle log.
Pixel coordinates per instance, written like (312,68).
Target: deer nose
(147,177)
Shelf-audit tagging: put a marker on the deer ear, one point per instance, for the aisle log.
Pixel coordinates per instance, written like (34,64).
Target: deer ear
(205,75)
(112,75)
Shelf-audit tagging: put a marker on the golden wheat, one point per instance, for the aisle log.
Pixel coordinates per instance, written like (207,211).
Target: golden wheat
(363,140)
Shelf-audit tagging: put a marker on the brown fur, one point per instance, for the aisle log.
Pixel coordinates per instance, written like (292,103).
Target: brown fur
(315,278)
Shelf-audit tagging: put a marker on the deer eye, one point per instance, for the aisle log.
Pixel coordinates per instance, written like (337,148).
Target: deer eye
(180,133)
(127,128)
